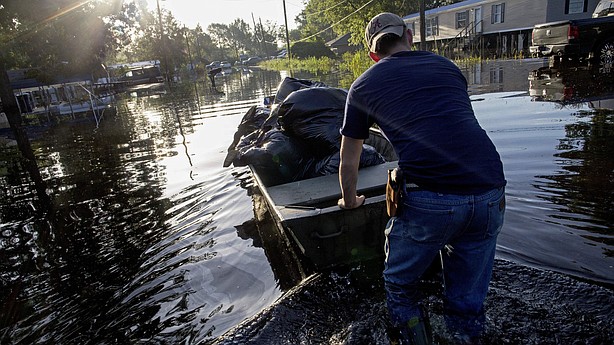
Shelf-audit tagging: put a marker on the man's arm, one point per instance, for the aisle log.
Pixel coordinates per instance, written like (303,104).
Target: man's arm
(348,172)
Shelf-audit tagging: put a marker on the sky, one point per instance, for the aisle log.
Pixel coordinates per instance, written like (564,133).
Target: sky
(205,12)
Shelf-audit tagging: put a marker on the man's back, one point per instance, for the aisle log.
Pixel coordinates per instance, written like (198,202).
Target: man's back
(420,101)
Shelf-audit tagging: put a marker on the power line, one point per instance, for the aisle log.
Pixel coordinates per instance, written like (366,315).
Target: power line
(332,25)
(326,9)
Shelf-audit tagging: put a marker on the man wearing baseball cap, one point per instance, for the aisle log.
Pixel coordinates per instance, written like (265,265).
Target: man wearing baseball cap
(420,102)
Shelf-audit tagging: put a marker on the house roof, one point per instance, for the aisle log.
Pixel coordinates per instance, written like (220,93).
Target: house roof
(444,8)
(19,80)
(339,41)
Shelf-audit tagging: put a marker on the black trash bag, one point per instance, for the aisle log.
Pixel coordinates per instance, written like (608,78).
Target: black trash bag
(276,158)
(289,85)
(249,130)
(314,116)
(330,165)
(370,157)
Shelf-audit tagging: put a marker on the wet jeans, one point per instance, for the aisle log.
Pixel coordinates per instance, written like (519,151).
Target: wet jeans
(465,229)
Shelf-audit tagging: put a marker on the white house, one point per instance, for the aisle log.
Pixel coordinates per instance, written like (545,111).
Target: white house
(492,27)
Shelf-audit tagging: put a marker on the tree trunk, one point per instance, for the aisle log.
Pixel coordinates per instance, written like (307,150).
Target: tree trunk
(11,109)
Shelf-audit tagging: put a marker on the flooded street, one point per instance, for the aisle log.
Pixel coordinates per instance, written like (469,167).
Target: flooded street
(147,239)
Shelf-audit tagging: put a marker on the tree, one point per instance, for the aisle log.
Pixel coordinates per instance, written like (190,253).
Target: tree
(203,44)
(268,34)
(234,39)
(240,37)
(62,35)
(220,34)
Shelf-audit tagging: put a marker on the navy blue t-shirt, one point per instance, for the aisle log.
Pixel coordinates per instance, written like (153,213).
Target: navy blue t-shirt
(420,101)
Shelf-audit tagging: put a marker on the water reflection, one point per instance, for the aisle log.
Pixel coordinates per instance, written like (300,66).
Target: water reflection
(582,189)
(573,85)
(498,75)
(114,247)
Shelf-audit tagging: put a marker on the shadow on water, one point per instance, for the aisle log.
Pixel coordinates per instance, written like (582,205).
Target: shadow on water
(149,240)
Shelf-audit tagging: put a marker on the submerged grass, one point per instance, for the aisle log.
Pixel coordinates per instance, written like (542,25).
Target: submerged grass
(350,65)
(312,64)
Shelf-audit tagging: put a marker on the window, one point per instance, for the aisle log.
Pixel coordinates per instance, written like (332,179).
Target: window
(432,27)
(462,19)
(498,13)
(604,8)
(496,75)
(575,6)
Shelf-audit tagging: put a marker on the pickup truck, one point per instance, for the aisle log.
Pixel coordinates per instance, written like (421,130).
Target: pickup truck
(591,38)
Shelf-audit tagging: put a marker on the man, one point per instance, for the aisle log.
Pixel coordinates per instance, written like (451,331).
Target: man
(420,102)
(212,74)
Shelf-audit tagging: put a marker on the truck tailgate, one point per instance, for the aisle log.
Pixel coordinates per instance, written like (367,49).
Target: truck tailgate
(551,33)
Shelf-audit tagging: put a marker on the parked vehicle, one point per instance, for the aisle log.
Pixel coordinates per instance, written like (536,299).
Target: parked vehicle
(142,75)
(213,65)
(225,64)
(591,38)
(252,61)
(282,54)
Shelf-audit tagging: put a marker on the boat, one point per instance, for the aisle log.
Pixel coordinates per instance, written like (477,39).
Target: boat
(306,211)
(302,200)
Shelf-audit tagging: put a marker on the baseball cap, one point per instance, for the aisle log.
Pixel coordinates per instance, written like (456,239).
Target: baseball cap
(383,23)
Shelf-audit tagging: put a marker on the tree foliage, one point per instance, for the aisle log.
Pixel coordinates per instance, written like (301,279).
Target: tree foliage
(62,35)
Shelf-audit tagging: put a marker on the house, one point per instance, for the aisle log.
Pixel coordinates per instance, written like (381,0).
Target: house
(340,45)
(492,27)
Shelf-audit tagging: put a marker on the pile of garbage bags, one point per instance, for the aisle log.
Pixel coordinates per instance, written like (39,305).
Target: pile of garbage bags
(297,137)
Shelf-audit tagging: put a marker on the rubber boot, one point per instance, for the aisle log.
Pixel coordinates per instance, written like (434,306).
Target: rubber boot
(416,332)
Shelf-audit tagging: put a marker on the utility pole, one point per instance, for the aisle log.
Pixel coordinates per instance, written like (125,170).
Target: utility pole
(256,32)
(187,42)
(163,46)
(266,48)
(287,34)
(13,115)
(422,26)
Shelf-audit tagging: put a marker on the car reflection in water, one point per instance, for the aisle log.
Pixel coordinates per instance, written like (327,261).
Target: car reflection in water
(572,85)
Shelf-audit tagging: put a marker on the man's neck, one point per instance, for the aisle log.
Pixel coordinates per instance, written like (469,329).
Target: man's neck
(397,49)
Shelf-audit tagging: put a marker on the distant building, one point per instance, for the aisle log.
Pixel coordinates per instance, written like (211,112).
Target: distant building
(340,45)
(492,28)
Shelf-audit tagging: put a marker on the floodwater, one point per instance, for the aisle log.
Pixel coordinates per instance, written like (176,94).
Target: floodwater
(142,237)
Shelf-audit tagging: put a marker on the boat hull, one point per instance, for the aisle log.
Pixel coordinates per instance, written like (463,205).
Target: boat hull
(306,211)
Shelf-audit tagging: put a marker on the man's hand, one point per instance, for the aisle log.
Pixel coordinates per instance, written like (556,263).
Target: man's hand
(358,201)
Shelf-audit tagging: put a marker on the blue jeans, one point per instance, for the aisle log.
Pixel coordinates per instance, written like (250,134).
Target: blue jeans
(465,229)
